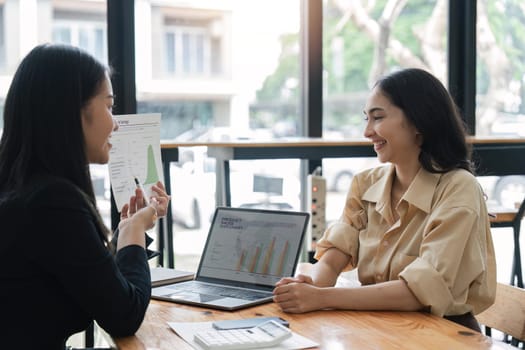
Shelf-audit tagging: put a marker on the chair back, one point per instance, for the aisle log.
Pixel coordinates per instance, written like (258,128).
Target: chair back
(507,314)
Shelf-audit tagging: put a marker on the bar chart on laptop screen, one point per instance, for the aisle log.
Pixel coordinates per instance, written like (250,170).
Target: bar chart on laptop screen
(252,246)
(263,257)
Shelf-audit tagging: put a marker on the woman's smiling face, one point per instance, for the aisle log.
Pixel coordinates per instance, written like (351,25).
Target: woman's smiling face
(98,124)
(395,139)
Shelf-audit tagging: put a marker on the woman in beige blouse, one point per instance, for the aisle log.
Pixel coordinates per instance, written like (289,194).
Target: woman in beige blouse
(417,230)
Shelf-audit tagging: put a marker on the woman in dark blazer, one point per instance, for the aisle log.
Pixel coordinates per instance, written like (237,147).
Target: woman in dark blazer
(57,273)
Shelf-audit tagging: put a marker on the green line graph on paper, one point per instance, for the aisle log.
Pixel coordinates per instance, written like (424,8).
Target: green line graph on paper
(152,175)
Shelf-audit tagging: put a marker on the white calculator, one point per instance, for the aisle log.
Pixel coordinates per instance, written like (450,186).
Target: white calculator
(263,335)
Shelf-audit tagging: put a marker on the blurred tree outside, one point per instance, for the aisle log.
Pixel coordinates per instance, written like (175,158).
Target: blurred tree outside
(363,40)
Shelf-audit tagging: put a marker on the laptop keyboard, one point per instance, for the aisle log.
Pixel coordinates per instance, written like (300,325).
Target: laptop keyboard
(223,291)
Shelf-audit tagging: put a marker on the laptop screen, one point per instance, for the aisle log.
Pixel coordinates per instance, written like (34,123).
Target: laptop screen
(253,246)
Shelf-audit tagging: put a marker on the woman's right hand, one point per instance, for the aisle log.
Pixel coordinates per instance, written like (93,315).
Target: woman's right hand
(134,222)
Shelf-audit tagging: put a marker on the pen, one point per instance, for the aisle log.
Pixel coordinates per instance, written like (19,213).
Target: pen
(139,186)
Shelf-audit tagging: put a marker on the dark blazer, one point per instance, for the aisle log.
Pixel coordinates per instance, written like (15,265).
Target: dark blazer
(56,273)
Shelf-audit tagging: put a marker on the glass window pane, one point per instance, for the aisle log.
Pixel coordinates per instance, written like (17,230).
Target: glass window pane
(83,39)
(170,53)
(62,35)
(186,53)
(216,58)
(100,42)
(199,54)
(224,57)
(365,40)
(500,89)
(266,184)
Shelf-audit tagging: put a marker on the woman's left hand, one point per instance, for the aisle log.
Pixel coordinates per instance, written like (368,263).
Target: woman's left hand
(162,198)
(298,297)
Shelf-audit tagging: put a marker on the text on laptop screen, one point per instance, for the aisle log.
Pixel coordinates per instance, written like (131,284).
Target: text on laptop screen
(253,246)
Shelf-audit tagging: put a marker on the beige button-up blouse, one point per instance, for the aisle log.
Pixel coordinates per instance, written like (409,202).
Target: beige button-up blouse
(441,245)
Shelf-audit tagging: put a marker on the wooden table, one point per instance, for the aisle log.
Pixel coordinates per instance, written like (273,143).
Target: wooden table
(342,329)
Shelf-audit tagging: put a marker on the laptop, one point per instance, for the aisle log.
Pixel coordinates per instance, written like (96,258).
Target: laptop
(247,251)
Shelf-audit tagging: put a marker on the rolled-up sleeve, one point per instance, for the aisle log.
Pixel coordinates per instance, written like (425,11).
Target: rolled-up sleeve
(452,263)
(344,234)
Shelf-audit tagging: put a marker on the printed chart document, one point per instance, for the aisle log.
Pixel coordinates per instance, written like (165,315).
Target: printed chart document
(135,153)
(186,330)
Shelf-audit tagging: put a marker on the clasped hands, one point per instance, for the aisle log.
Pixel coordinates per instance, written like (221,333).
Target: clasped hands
(297,294)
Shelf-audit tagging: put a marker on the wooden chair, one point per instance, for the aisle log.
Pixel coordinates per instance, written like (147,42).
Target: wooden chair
(507,314)
(512,219)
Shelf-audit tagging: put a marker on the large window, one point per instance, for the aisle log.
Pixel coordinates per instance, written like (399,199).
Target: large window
(500,86)
(226,70)
(220,71)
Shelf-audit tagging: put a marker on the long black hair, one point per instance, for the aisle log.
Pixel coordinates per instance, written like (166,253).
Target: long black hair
(42,117)
(429,107)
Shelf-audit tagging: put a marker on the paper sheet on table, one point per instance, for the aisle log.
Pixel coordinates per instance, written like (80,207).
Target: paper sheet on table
(186,330)
(135,153)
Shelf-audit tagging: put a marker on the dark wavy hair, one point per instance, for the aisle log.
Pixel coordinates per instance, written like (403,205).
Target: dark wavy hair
(42,118)
(429,107)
